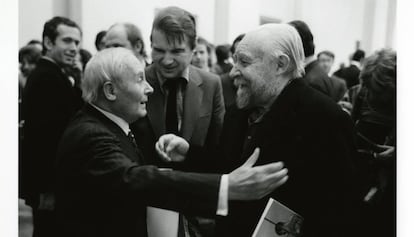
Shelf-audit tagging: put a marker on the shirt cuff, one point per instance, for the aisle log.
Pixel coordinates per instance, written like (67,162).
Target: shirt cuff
(222,207)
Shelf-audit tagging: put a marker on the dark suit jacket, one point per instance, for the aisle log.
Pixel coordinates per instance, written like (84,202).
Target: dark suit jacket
(350,74)
(49,101)
(318,79)
(338,88)
(314,139)
(203,112)
(104,186)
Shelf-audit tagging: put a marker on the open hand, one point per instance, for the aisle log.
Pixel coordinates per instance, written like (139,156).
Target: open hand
(250,183)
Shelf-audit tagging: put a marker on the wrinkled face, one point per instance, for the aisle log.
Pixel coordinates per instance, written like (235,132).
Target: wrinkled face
(132,93)
(63,51)
(200,57)
(26,67)
(170,58)
(253,74)
(326,62)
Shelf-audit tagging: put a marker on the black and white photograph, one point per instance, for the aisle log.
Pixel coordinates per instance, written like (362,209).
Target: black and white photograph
(191,118)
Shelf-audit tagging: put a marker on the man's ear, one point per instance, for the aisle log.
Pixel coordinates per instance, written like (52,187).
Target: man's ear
(283,63)
(109,91)
(48,43)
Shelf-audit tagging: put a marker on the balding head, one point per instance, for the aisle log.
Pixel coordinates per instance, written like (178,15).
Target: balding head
(128,36)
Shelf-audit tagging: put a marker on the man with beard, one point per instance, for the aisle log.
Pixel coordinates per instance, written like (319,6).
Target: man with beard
(291,122)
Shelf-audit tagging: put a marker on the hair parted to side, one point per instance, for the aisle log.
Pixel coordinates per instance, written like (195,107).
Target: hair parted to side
(50,29)
(107,65)
(282,39)
(176,24)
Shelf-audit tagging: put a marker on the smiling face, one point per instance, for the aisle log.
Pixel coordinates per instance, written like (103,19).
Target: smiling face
(132,91)
(253,75)
(170,58)
(66,45)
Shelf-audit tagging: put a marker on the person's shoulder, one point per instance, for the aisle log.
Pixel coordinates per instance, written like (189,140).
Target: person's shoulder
(203,75)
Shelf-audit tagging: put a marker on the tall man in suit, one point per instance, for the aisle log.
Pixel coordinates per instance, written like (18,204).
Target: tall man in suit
(186,101)
(291,122)
(314,74)
(103,182)
(49,101)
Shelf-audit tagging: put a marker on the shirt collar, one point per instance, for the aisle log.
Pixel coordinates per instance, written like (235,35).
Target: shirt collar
(117,120)
(185,74)
(70,78)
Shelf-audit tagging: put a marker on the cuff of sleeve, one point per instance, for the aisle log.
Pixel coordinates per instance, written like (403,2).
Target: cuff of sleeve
(222,207)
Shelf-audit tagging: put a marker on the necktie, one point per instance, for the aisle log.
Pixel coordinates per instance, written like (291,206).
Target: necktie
(132,139)
(171,118)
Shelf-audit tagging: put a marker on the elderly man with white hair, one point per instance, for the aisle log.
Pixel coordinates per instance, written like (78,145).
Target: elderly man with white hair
(290,122)
(103,184)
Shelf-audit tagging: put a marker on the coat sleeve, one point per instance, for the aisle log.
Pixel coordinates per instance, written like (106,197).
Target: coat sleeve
(95,163)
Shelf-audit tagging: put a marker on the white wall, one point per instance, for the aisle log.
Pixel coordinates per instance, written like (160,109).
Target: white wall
(32,16)
(99,15)
(336,24)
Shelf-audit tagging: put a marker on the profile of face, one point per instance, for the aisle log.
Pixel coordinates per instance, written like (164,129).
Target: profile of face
(200,57)
(252,73)
(26,67)
(326,62)
(170,58)
(132,92)
(66,45)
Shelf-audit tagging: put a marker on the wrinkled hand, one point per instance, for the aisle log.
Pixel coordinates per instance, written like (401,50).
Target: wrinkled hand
(172,148)
(389,151)
(250,183)
(47,201)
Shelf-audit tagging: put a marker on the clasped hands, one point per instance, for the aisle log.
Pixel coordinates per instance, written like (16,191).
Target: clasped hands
(245,183)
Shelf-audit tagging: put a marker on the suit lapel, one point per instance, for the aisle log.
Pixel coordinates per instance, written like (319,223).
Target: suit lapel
(155,105)
(126,144)
(192,104)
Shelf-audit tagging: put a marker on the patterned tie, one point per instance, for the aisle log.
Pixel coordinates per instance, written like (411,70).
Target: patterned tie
(171,118)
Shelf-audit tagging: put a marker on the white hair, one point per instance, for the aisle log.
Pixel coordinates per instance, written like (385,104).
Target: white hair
(107,65)
(281,39)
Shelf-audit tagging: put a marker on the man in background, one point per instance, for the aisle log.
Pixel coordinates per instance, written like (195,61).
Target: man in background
(50,99)
(314,74)
(326,60)
(126,35)
(187,101)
